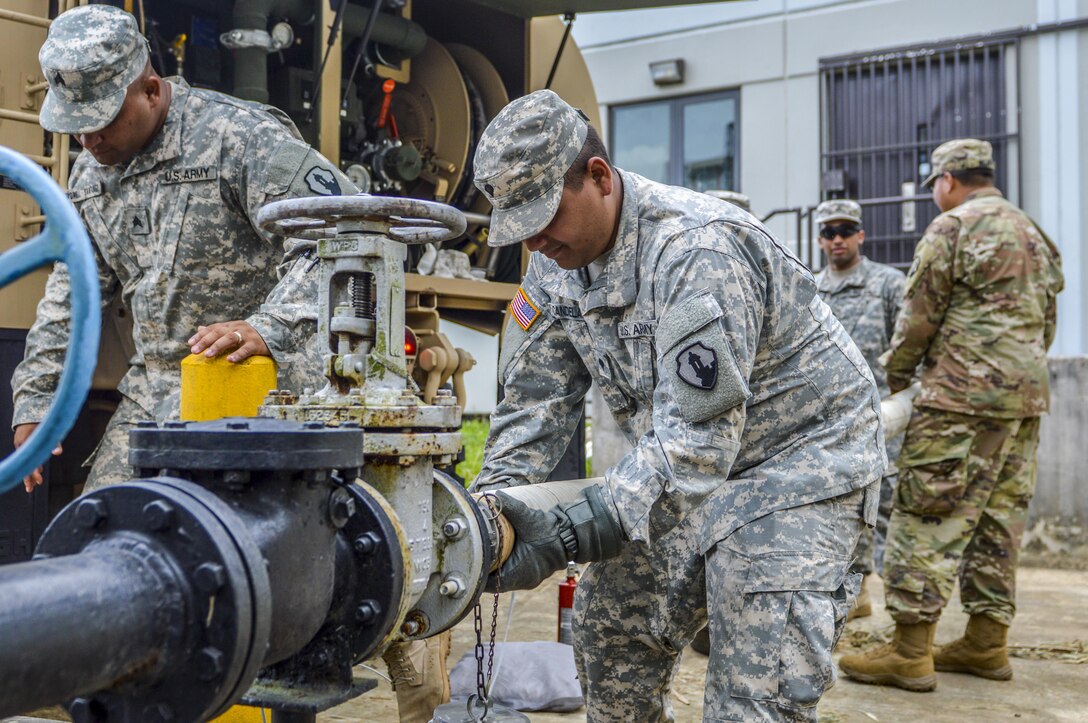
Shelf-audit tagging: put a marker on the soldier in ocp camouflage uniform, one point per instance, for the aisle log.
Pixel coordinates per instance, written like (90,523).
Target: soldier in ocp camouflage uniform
(168,185)
(865,298)
(979,314)
(754,419)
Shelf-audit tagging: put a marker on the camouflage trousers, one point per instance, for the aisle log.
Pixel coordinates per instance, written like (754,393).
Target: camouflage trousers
(964,487)
(775,592)
(869,554)
(109,461)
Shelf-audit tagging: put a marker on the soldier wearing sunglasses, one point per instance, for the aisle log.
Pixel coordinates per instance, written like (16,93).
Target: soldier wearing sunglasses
(865,297)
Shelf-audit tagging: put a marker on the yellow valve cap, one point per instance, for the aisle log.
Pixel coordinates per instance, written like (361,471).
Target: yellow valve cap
(243,713)
(216,388)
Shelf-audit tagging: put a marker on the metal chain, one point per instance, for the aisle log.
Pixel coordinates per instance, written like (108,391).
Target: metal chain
(495,604)
(483,685)
(477,626)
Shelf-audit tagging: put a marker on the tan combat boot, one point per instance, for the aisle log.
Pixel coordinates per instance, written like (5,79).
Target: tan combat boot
(981,651)
(906,662)
(863,606)
(420,678)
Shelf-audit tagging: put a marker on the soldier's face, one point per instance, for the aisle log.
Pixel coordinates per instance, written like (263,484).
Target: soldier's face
(133,128)
(842,248)
(942,192)
(582,229)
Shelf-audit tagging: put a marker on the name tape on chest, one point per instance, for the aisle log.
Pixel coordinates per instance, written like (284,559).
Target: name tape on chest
(524,311)
(565,311)
(78,195)
(191,174)
(637,329)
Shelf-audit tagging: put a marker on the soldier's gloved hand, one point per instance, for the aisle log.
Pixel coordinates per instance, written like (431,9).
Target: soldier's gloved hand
(583,530)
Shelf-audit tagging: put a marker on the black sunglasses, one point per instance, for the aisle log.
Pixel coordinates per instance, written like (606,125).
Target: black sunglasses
(846,230)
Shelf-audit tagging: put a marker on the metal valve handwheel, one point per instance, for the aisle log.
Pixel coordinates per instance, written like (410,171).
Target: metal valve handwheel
(63,239)
(408,220)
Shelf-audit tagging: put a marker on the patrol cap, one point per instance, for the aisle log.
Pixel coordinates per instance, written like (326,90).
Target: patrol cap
(520,162)
(962,154)
(737,199)
(91,56)
(838,209)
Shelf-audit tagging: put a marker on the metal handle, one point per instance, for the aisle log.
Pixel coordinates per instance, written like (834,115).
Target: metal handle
(63,239)
(408,220)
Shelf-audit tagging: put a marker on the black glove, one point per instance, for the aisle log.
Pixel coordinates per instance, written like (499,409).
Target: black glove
(583,530)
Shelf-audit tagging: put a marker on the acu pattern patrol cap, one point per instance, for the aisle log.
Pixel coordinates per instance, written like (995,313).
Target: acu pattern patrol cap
(962,154)
(838,209)
(91,56)
(521,160)
(737,199)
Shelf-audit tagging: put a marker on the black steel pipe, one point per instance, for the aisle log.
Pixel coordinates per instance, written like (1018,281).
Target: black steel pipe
(251,64)
(91,620)
(289,523)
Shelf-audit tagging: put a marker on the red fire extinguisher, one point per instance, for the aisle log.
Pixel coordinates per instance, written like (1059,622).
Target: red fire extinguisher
(566,604)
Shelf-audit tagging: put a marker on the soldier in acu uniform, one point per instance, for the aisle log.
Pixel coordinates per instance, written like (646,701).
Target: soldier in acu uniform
(979,314)
(865,297)
(168,184)
(754,419)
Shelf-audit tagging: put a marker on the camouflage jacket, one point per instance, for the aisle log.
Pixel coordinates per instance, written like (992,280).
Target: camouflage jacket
(739,390)
(866,304)
(980,311)
(175,235)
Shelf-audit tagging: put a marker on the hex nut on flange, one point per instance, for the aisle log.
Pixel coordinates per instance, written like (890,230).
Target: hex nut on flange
(159,515)
(209,662)
(209,577)
(367,543)
(367,611)
(454,529)
(91,513)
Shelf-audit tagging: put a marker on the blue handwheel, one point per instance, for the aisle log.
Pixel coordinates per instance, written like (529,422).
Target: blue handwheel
(64,239)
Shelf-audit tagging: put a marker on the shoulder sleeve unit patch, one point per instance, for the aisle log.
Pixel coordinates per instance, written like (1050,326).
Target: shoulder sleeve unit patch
(524,311)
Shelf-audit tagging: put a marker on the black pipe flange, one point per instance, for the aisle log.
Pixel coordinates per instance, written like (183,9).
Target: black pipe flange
(377,576)
(213,611)
(244,444)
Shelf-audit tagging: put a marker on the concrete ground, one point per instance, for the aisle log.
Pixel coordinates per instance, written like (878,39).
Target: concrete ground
(1052,623)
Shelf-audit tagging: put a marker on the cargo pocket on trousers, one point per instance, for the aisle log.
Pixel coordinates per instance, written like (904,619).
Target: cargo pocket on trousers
(795,605)
(933,473)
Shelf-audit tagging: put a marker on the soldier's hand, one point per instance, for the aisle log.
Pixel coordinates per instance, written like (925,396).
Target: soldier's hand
(582,530)
(236,337)
(22,434)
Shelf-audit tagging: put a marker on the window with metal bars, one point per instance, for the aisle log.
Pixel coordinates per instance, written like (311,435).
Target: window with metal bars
(884,112)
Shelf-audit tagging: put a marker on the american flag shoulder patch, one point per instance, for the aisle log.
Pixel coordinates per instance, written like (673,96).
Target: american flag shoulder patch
(524,311)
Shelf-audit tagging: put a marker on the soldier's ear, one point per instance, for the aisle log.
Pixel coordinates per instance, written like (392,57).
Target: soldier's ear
(601,174)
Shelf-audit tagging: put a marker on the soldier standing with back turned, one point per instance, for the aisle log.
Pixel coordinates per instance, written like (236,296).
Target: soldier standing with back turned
(979,314)
(865,297)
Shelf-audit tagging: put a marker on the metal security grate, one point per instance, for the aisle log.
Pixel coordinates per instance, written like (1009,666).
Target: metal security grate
(884,112)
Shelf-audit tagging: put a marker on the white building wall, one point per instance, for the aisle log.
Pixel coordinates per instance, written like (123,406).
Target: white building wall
(770,50)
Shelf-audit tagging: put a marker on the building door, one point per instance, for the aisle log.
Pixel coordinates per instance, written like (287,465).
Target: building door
(883,112)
